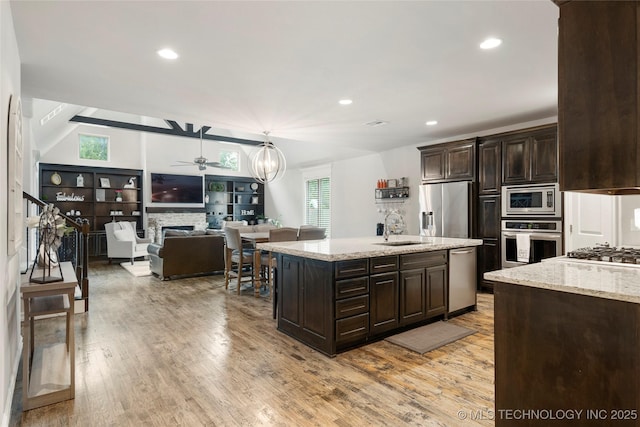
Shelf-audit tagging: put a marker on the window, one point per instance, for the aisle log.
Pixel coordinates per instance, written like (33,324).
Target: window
(230,159)
(318,202)
(94,147)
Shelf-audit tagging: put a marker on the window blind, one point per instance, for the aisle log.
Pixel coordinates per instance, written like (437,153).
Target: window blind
(318,203)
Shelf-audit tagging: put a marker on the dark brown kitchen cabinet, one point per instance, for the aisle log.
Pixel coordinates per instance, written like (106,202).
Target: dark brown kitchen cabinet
(432,164)
(489,231)
(413,296)
(423,286)
(530,157)
(334,306)
(489,166)
(436,290)
(383,302)
(598,95)
(488,217)
(488,260)
(451,161)
(307,312)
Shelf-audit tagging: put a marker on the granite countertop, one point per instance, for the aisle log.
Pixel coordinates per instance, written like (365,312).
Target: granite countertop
(364,247)
(616,282)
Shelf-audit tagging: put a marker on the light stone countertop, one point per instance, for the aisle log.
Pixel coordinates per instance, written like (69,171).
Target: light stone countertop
(364,247)
(616,282)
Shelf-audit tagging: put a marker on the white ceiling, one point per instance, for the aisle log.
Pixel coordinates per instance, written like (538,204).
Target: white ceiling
(246,67)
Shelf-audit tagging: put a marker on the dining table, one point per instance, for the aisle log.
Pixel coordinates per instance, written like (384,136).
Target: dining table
(254,238)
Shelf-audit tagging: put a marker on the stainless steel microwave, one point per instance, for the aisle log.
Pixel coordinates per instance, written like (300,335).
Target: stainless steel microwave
(531,200)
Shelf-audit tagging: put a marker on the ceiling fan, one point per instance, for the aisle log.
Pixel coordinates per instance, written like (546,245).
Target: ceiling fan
(201,161)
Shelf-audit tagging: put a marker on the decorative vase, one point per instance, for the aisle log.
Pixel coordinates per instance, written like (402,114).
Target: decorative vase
(80,180)
(118,196)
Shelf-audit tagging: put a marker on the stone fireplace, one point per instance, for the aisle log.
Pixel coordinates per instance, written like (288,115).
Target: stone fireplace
(158,220)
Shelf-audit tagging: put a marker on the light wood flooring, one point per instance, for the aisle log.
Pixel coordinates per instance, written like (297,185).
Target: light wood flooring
(189,353)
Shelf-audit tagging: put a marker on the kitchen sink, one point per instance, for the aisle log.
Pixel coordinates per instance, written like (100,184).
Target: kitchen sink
(399,243)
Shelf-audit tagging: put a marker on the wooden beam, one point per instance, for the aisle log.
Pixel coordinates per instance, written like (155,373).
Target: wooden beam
(175,129)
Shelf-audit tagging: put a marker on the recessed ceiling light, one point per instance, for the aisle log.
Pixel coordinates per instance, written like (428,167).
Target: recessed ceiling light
(345,102)
(432,123)
(490,43)
(168,54)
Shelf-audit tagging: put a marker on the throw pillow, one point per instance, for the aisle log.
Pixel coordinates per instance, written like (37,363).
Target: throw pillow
(122,235)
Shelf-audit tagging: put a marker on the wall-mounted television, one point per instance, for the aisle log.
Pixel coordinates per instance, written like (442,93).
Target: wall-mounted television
(169,190)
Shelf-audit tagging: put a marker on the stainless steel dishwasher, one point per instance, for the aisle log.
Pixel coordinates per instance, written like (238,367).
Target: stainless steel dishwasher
(462,278)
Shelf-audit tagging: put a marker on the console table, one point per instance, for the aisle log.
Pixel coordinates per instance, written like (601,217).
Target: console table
(48,370)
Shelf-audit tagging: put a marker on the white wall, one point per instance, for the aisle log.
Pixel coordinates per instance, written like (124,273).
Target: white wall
(9,267)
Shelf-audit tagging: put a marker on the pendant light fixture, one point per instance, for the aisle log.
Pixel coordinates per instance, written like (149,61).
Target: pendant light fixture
(266,162)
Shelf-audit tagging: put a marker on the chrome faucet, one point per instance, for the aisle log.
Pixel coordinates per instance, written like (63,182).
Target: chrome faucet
(385,232)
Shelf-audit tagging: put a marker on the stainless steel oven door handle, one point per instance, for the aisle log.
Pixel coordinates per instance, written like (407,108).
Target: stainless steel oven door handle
(536,236)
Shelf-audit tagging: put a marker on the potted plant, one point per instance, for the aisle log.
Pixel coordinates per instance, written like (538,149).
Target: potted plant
(261,219)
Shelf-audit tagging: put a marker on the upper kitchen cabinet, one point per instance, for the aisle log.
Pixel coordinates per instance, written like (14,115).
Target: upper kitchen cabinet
(451,161)
(598,95)
(489,166)
(530,157)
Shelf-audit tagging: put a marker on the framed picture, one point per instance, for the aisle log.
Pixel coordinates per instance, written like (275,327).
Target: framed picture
(105,183)
(392,183)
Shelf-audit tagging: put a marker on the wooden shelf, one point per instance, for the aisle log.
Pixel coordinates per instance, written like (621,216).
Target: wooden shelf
(95,211)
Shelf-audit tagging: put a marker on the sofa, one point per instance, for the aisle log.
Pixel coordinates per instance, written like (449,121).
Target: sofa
(187,253)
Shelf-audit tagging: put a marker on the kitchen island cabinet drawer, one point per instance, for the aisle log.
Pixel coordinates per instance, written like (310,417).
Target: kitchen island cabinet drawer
(352,329)
(352,306)
(423,259)
(352,268)
(384,264)
(352,287)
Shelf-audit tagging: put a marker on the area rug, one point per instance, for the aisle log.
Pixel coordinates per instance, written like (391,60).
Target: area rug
(430,337)
(138,269)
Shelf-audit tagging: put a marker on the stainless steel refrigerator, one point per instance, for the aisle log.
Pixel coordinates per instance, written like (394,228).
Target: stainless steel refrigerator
(445,211)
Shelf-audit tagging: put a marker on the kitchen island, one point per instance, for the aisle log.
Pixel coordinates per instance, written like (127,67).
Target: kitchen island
(567,340)
(335,294)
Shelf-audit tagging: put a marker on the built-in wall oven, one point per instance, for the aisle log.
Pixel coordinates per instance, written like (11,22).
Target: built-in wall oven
(526,241)
(531,200)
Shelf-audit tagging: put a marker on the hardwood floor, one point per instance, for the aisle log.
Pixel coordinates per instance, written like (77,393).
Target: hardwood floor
(186,352)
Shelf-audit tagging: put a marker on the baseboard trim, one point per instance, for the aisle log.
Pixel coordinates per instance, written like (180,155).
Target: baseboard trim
(6,415)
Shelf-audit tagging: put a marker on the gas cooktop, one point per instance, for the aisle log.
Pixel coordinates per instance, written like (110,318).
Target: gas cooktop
(607,253)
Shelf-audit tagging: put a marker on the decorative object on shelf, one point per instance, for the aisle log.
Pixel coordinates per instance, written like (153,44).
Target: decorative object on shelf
(206,198)
(266,162)
(61,196)
(100,195)
(216,186)
(254,186)
(56,179)
(255,200)
(50,231)
(131,183)
(79,180)
(118,195)
(105,183)
(392,183)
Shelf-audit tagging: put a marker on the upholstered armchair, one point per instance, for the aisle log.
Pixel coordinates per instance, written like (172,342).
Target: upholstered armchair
(123,242)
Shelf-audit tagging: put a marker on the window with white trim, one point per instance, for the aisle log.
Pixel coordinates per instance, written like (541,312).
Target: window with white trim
(230,159)
(93,147)
(318,202)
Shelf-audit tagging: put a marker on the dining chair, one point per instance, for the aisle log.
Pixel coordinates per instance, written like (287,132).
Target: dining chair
(234,253)
(284,234)
(311,233)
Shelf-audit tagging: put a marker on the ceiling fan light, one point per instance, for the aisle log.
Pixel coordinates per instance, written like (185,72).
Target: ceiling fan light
(266,162)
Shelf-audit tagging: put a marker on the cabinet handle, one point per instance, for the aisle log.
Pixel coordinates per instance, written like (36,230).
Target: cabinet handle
(461,252)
